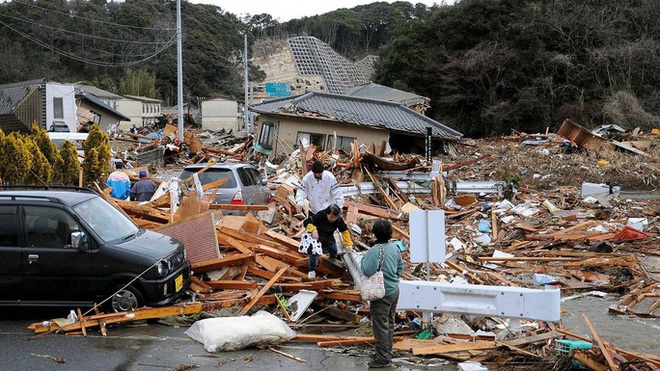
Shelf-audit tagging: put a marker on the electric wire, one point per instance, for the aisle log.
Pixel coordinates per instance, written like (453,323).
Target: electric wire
(91,19)
(89,61)
(83,34)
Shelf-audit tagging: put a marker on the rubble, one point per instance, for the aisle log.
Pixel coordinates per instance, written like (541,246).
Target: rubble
(514,217)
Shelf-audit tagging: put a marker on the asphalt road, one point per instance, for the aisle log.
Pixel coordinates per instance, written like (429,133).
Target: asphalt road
(152,346)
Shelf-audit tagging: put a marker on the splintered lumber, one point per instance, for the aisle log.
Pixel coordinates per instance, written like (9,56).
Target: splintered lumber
(343,314)
(282,239)
(136,315)
(355,340)
(199,286)
(464,163)
(233,243)
(209,265)
(601,345)
(373,210)
(380,189)
(459,347)
(144,212)
(244,236)
(238,207)
(289,257)
(232,285)
(464,271)
(262,291)
(584,358)
(312,285)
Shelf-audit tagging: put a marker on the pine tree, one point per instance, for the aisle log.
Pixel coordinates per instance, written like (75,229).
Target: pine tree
(97,155)
(17,160)
(49,150)
(69,168)
(41,172)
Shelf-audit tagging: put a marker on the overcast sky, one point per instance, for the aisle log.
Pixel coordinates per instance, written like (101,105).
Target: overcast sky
(284,10)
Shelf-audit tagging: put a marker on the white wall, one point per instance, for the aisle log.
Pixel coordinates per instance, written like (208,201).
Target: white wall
(68,95)
(131,109)
(220,113)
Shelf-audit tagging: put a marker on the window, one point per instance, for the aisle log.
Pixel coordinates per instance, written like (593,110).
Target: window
(9,226)
(267,134)
(343,143)
(311,138)
(211,175)
(249,177)
(48,227)
(58,108)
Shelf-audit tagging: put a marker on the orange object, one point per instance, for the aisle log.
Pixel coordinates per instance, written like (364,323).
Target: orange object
(629,233)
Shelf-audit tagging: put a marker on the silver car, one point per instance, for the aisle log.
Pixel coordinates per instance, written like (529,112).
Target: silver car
(244,186)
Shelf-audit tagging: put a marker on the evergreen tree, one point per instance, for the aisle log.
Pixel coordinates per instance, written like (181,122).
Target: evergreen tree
(49,150)
(69,167)
(97,155)
(17,159)
(41,172)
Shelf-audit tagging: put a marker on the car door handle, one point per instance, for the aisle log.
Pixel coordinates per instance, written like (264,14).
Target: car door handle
(33,258)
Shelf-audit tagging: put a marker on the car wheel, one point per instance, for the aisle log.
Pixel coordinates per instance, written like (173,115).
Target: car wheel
(127,299)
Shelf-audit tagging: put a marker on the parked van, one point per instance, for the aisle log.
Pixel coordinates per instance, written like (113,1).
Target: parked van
(71,247)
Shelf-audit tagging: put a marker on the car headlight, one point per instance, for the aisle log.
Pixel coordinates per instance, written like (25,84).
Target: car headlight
(163,268)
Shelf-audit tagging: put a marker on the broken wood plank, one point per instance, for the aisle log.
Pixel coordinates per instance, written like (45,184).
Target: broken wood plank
(262,291)
(601,345)
(209,265)
(449,348)
(232,285)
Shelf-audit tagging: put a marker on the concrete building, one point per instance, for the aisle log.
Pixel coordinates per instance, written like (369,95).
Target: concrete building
(142,111)
(221,113)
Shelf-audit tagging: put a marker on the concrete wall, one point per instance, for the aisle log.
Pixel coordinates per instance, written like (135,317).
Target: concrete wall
(287,130)
(67,93)
(131,109)
(220,114)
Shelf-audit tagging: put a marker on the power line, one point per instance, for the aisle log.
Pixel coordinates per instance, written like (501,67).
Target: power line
(83,34)
(92,19)
(89,61)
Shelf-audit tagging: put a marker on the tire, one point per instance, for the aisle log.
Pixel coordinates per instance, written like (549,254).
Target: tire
(127,299)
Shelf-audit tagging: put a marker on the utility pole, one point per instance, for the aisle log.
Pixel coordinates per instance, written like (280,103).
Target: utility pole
(246,115)
(179,69)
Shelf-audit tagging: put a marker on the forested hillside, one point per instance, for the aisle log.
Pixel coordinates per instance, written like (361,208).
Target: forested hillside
(492,65)
(487,65)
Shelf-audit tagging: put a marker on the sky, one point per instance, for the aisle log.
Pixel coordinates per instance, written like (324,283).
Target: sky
(284,10)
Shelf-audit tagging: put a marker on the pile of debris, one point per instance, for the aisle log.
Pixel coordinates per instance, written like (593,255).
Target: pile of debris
(511,231)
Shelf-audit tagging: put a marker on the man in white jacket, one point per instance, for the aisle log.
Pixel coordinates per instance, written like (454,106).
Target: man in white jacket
(321,188)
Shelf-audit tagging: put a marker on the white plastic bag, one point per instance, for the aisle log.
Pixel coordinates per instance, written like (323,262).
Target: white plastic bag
(235,333)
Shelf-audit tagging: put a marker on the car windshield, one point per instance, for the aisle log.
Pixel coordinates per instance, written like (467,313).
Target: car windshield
(211,175)
(108,222)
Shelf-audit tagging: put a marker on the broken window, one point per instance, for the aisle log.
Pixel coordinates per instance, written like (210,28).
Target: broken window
(58,108)
(343,143)
(266,135)
(311,138)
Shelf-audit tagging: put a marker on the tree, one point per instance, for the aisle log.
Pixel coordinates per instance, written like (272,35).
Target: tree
(96,164)
(16,160)
(69,168)
(41,172)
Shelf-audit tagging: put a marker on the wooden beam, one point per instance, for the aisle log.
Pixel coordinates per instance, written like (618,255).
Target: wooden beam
(262,291)
(601,344)
(449,348)
(238,207)
(209,265)
(232,285)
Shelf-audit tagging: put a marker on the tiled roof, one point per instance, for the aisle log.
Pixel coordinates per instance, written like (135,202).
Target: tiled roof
(356,110)
(376,91)
(97,92)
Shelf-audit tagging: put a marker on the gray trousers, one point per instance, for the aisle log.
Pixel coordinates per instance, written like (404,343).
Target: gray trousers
(383,313)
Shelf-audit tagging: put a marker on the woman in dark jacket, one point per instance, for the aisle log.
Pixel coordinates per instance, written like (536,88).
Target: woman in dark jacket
(383,311)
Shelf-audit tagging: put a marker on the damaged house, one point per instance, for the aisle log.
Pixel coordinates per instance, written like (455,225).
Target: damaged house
(50,104)
(334,121)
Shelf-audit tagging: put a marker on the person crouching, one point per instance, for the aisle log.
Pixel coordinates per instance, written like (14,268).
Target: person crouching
(322,226)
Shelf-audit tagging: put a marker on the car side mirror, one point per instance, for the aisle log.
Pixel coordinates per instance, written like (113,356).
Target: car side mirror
(78,240)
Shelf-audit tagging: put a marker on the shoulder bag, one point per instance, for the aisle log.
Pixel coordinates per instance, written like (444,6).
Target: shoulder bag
(373,287)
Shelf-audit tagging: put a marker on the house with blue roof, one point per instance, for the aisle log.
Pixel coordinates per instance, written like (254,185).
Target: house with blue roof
(336,120)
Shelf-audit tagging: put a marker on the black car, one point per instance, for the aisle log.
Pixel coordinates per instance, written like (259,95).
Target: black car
(71,247)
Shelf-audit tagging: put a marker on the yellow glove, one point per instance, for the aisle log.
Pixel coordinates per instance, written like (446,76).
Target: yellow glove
(311,228)
(346,239)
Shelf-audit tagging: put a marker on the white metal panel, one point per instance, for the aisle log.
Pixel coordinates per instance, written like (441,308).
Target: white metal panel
(427,236)
(69,111)
(496,301)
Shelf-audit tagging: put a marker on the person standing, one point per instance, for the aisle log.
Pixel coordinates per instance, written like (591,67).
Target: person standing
(143,189)
(383,311)
(120,182)
(321,188)
(322,226)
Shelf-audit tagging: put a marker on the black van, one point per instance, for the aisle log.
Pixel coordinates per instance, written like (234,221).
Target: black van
(71,247)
